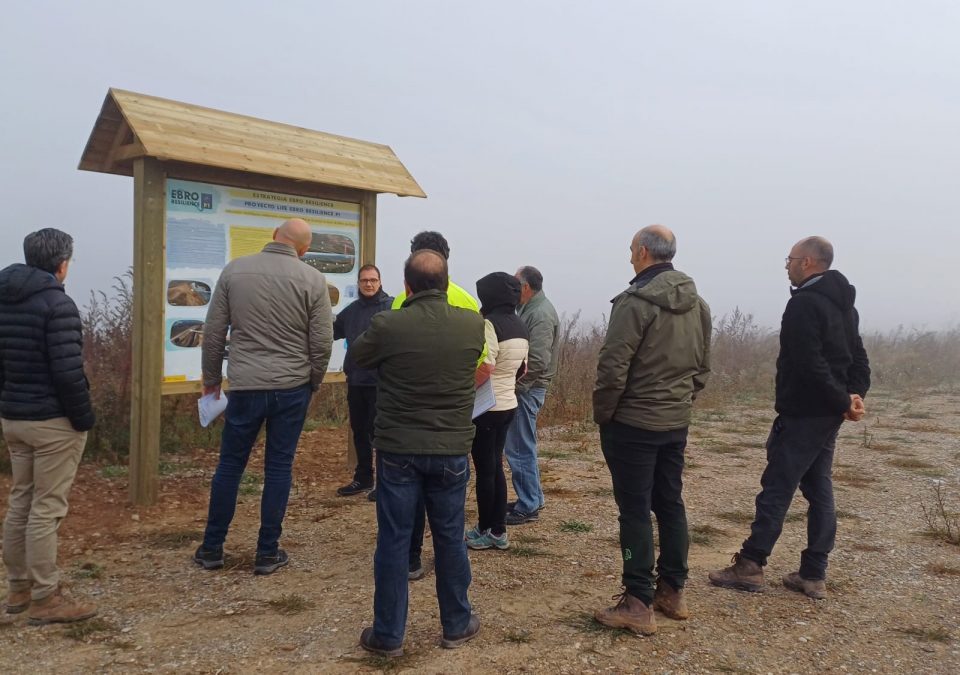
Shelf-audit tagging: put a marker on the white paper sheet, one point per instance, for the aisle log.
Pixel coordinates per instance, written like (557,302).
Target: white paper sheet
(210,408)
(485,399)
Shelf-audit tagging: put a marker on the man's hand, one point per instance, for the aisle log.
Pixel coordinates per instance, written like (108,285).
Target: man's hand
(857,409)
(212,389)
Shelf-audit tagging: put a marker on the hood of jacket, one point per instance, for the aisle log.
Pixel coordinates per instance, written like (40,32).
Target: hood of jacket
(671,290)
(18,282)
(833,286)
(499,293)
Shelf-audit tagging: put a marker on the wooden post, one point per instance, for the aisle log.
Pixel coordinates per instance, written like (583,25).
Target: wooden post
(148,276)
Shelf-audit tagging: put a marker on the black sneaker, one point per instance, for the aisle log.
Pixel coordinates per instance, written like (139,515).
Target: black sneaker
(207,559)
(415,571)
(268,564)
(354,487)
(512,506)
(454,641)
(372,495)
(515,517)
(372,643)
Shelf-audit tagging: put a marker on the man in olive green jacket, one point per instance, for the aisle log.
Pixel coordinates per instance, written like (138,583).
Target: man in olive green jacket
(654,361)
(426,354)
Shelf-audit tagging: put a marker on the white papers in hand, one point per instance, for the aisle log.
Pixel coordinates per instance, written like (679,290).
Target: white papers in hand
(485,399)
(210,408)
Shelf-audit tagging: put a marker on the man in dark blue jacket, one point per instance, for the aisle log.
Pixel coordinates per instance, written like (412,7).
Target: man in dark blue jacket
(45,412)
(361,382)
(822,376)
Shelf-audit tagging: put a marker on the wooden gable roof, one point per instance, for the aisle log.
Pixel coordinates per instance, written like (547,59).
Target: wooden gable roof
(134,125)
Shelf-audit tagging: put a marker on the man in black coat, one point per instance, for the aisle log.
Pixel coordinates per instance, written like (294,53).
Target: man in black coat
(361,382)
(45,412)
(822,376)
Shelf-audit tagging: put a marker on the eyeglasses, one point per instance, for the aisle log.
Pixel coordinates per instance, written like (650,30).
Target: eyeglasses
(368,281)
(788,259)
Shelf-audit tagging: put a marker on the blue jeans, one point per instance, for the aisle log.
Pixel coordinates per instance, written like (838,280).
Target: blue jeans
(405,482)
(284,411)
(521,451)
(799,454)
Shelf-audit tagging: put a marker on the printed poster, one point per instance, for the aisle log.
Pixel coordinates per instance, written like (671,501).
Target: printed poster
(207,226)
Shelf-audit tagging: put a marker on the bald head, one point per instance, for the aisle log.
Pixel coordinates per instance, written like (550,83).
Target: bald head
(425,270)
(817,248)
(296,233)
(652,245)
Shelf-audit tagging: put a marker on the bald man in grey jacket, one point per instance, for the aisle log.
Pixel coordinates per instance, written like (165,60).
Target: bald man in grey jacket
(277,310)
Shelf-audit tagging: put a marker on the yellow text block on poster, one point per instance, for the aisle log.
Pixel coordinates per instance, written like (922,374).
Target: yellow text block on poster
(246,240)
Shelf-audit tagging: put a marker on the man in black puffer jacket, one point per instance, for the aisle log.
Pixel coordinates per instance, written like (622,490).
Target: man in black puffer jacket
(45,412)
(822,376)
(361,382)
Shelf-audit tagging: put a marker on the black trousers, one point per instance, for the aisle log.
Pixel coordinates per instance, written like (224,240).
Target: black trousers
(487,454)
(362,405)
(647,472)
(799,454)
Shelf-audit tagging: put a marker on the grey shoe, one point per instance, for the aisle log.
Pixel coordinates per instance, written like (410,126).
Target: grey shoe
(268,564)
(415,570)
(515,517)
(471,631)
(208,559)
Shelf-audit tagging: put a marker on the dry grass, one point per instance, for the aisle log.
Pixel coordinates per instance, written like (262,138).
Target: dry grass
(704,535)
(909,463)
(291,603)
(853,478)
(173,539)
(942,517)
(927,633)
(82,630)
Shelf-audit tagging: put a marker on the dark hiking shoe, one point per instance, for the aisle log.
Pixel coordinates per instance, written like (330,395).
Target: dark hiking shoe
(743,575)
(512,506)
(354,487)
(372,643)
(415,570)
(268,564)
(515,517)
(630,613)
(17,601)
(208,559)
(670,601)
(812,588)
(58,607)
(372,495)
(471,631)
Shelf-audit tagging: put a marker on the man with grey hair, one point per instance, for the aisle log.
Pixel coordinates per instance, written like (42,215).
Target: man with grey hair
(543,325)
(822,376)
(653,363)
(46,414)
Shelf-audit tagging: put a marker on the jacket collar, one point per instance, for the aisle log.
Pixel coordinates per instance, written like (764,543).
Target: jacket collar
(531,303)
(277,247)
(432,295)
(646,275)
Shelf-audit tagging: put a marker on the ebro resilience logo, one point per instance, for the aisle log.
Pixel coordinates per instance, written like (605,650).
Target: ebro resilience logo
(201,201)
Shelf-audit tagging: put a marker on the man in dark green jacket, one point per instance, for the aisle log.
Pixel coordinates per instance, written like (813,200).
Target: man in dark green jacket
(654,361)
(426,354)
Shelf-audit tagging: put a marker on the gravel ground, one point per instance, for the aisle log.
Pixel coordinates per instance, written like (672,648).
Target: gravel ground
(894,592)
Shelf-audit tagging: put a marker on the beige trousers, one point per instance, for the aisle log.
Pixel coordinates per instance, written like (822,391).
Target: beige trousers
(44,456)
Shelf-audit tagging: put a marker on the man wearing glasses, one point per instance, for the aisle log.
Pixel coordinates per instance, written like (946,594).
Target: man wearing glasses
(822,376)
(361,382)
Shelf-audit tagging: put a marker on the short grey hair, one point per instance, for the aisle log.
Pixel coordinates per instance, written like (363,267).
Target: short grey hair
(661,249)
(532,277)
(46,249)
(818,248)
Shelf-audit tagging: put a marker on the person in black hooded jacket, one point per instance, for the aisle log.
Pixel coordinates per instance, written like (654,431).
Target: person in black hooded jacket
(823,374)
(45,412)
(361,382)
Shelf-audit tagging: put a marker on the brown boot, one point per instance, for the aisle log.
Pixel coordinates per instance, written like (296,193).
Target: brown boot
(670,601)
(58,607)
(812,588)
(17,601)
(630,613)
(743,574)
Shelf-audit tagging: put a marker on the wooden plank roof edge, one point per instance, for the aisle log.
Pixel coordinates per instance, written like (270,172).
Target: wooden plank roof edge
(259,120)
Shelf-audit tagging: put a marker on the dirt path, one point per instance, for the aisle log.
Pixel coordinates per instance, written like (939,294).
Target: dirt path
(894,593)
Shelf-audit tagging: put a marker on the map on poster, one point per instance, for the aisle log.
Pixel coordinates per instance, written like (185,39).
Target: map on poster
(210,225)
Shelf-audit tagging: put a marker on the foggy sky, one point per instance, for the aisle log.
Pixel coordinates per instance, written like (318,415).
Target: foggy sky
(544,133)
